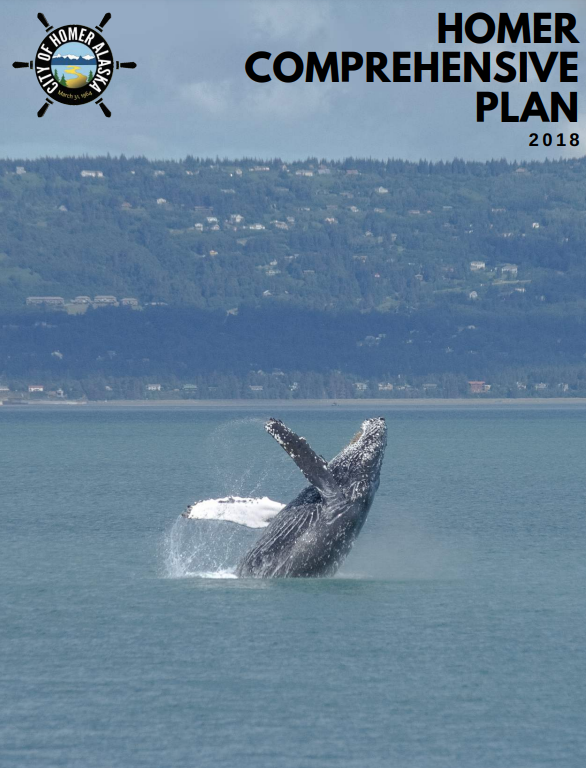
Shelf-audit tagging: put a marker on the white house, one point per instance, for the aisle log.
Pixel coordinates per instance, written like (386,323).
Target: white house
(476,266)
(153,387)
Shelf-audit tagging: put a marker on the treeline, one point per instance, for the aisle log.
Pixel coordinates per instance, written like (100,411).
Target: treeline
(274,352)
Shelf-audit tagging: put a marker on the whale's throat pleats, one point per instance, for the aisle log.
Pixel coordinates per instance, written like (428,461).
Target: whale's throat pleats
(314,467)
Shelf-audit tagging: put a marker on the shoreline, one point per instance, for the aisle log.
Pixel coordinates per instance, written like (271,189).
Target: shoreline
(341,404)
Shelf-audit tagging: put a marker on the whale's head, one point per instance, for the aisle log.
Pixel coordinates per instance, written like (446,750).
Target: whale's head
(357,467)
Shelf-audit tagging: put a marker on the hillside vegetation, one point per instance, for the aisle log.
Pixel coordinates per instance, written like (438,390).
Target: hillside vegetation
(359,234)
(310,279)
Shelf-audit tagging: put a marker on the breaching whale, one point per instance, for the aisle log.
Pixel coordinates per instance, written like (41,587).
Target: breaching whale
(313,534)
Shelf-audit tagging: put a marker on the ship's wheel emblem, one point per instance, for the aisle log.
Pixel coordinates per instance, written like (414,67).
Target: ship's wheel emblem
(74,65)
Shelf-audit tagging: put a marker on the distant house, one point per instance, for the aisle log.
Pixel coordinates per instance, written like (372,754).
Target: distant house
(385,387)
(256,227)
(81,300)
(259,169)
(540,387)
(360,386)
(476,266)
(509,269)
(4,389)
(473,295)
(129,302)
(236,218)
(161,201)
(213,253)
(330,220)
(105,300)
(36,388)
(20,171)
(190,387)
(92,174)
(158,173)
(198,227)
(303,173)
(55,301)
(476,387)
(255,387)
(535,225)
(153,387)
(382,191)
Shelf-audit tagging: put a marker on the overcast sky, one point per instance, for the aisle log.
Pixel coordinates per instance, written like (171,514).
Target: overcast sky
(190,93)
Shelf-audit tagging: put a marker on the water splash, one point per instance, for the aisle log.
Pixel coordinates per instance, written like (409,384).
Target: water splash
(204,548)
(211,548)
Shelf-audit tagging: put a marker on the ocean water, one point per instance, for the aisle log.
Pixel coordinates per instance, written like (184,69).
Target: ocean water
(454,635)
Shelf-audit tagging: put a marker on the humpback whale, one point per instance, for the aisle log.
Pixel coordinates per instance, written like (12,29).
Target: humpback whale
(313,534)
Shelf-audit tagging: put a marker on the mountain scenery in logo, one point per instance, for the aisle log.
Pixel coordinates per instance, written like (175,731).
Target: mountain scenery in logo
(74,65)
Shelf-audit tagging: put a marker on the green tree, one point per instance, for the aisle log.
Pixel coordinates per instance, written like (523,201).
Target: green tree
(63,81)
(90,76)
(56,74)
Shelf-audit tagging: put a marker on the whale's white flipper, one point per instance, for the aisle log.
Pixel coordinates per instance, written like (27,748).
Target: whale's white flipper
(253,513)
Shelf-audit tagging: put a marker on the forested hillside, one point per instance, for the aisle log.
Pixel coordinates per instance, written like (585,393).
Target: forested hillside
(353,235)
(256,279)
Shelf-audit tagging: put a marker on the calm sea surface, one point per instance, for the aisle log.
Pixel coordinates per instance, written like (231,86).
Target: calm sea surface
(455,635)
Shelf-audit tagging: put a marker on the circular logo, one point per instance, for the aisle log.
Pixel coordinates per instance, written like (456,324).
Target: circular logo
(74,65)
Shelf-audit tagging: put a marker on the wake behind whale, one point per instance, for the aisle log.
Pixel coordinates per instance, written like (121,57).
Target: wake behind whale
(310,536)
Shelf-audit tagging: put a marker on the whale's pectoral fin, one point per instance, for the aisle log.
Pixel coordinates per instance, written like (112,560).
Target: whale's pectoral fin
(314,467)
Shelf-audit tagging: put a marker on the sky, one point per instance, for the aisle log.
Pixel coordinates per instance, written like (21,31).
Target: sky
(190,93)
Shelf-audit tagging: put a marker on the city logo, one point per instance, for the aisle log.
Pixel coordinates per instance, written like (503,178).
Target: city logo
(74,65)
